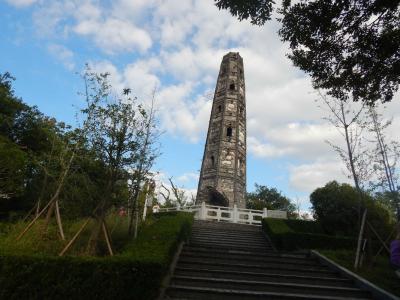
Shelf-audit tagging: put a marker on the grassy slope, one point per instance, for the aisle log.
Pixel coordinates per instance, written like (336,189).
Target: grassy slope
(380,274)
(136,271)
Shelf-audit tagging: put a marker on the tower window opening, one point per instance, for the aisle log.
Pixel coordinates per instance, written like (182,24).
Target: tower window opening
(232,86)
(212,161)
(219,108)
(229,131)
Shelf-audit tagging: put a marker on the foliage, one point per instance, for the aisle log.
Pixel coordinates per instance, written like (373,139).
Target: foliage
(299,234)
(380,272)
(390,201)
(259,11)
(349,48)
(35,150)
(305,226)
(136,272)
(270,198)
(335,206)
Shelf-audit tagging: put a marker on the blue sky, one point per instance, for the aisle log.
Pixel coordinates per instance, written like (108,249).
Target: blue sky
(176,46)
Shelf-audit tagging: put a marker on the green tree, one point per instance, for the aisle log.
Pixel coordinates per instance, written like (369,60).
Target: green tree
(335,206)
(349,48)
(270,198)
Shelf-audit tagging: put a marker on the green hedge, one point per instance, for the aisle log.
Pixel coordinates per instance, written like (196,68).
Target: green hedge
(288,235)
(134,274)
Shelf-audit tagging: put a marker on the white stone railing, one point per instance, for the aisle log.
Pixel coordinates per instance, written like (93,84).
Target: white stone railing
(229,214)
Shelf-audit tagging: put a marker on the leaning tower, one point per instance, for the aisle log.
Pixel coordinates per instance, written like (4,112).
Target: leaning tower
(223,170)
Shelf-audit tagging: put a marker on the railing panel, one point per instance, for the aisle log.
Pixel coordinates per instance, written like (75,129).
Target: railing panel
(234,215)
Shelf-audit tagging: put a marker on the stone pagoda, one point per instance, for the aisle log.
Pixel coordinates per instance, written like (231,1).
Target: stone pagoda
(223,170)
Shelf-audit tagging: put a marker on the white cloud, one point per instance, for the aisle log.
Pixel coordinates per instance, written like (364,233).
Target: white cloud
(21,3)
(114,35)
(188,177)
(309,176)
(63,54)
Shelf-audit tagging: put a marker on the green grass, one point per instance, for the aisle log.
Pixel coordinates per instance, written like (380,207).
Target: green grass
(31,268)
(380,273)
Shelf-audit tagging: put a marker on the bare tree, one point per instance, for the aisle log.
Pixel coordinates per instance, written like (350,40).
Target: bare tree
(148,152)
(385,157)
(350,122)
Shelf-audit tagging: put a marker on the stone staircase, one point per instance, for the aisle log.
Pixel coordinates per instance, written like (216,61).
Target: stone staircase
(232,261)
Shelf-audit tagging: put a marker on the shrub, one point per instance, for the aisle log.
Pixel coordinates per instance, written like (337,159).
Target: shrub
(288,235)
(336,207)
(136,273)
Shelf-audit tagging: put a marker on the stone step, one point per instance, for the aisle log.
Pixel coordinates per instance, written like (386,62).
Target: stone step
(203,250)
(265,276)
(263,286)
(225,226)
(227,236)
(206,249)
(252,259)
(233,246)
(182,292)
(240,267)
(253,263)
(226,231)
(229,241)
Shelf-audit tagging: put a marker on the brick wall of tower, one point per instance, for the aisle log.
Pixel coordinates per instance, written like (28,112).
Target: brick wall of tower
(224,160)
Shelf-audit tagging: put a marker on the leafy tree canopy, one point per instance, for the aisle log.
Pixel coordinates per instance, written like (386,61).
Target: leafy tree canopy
(349,48)
(335,206)
(270,198)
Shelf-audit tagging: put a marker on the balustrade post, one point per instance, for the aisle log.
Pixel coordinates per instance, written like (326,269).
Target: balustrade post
(203,211)
(235,214)
(265,212)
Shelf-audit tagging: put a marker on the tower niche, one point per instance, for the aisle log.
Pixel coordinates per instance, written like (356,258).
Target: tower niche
(223,170)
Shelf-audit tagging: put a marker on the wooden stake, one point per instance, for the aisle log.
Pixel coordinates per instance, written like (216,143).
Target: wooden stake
(29,214)
(35,219)
(54,198)
(379,238)
(58,218)
(107,238)
(74,238)
(357,260)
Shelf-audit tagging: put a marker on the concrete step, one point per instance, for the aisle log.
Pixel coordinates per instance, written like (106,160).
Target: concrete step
(252,263)
(229,241)
(243,267)
(249,259)
(227,230)
(206,249)
(233,246)
(235,234)
(225,226)
(266,275)
(255,238)
(264,286)
(202,250)
(182,292)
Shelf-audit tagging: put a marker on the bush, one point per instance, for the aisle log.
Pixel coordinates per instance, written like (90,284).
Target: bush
(288,235)
(136,273)
(305,226)
(336,206)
